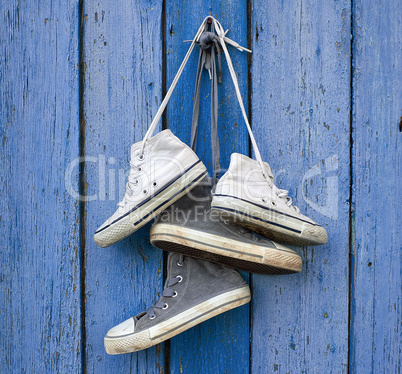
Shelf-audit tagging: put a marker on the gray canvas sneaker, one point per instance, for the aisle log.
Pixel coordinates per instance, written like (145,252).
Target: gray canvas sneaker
(195,290)
(189,227)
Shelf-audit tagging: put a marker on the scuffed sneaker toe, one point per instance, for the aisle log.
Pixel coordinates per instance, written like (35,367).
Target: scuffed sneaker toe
(123,338)
(315,234)
(109,234)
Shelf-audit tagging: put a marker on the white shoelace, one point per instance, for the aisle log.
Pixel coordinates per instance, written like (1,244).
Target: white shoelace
(223,40)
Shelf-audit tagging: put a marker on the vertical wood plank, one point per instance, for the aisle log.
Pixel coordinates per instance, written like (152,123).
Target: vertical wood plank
(39,229)
(377,174)
(123,82)
(220,345)
(300,115)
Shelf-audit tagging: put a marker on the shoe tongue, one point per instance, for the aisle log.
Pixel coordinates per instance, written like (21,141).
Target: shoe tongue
(138,317)
(267,170)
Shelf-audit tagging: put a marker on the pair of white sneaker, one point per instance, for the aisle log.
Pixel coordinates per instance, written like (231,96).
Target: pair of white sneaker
(166,169)
(163,169)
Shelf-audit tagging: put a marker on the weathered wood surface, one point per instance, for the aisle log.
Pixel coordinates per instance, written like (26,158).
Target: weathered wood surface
(220,344)
(376,293)
(325,109)
(123,89)
(40,307)
(301,106)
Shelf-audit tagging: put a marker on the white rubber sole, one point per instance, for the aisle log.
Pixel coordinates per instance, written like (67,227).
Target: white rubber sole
(273,225)
(177,324)
(249,257)
(145,213)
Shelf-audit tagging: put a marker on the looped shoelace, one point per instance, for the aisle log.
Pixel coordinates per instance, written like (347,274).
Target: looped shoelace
(209,46)
(284,194)
(132,181)
(167,292)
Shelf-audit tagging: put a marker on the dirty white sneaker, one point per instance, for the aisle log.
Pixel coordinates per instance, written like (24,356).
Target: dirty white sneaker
(248,198)
(247,195)
(162,170)
(165,171)
(195,290)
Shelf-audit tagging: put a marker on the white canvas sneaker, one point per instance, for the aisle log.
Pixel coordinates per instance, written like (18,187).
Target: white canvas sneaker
(244,197)
(162,170)
(247,195)
(165,171)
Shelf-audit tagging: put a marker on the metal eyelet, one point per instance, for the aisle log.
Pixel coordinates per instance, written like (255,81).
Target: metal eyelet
(179,263)
(165,306)
(152,317)
(144,192)
(264,200)
(175,294)
(139,168)
(154,184)
(141,157)
(136,182)
(274,203)
(180,278)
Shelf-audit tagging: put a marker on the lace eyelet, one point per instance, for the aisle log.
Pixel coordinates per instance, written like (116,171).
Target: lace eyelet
(180,278)
(175,294)
(136,182)
(165,306)
(144,192)
(139,168)
(154,184)
(141,157)
(264,200)
(179,263)
(152,317)
(274,203)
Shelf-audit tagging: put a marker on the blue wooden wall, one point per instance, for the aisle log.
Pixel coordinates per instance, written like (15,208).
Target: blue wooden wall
(80,82)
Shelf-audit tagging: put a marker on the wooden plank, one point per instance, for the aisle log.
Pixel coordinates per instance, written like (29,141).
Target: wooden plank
(300,115)
(39,230)
(377,174)
(123,84)
(220,345)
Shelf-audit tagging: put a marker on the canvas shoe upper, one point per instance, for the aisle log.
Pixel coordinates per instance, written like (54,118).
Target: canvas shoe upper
(165,170)
(195,290)
(162,170)
(245,196)
(189,227)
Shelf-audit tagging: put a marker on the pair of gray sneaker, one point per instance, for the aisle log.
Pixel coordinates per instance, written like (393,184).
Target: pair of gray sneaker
(201,278)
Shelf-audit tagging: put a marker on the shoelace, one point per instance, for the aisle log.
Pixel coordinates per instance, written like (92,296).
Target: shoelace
(162,107)
(132,182)
(167,292)
(283,194)
(209,46)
